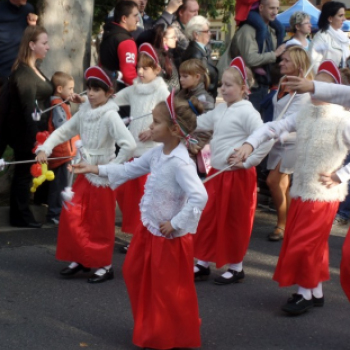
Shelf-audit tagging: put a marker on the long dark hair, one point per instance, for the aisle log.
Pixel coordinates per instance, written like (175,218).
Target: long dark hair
(329,9)
(164,55)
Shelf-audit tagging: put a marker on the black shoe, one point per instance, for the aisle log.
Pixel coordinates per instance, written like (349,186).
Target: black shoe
(33,224)
(297,305)
(202,274)
(318,302)
(236,278)
(68,271)
(124,249)
(108,275)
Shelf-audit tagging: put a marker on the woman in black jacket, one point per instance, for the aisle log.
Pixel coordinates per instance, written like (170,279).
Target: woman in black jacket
(198,32)
(29,89)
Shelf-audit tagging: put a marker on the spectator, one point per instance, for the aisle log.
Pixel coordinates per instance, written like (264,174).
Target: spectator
(282,156)
(27,86)
(118,51)
(301,26)
(198,32)
(165,40)
(15,16)
(244,44)
(330,36)
(184,12)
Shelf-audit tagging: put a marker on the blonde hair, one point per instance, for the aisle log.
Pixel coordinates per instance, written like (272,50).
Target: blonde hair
(61,79)
(237,78)
(300,59)
(31,33)
(195,66)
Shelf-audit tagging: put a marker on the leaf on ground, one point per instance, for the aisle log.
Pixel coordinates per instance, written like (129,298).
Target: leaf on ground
(83,345)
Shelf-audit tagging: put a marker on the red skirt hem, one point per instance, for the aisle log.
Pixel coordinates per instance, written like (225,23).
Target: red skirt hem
(225,227)
(86,233)
(304,256)
(158,273)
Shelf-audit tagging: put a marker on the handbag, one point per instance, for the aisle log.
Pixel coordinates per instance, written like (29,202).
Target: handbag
(203,160)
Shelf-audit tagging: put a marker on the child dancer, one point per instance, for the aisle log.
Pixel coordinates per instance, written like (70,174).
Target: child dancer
(86,232)
(225,228)
(147,91)
(63,84)
(319,183)
(195,81)
(158,267)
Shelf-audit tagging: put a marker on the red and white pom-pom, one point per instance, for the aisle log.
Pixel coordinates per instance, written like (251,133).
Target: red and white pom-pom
(67,194)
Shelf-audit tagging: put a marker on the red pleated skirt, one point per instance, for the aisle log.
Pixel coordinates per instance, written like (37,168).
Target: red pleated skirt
(129,197)
(86,232)
(304,256)
(226,223)
(345,266)
(158,273)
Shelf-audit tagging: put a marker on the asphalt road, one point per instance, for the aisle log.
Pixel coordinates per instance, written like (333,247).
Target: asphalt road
(41,311)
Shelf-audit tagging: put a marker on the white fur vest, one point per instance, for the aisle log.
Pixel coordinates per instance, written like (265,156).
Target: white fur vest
(320,149)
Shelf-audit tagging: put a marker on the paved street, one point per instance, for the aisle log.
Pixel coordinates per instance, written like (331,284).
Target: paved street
(41,311)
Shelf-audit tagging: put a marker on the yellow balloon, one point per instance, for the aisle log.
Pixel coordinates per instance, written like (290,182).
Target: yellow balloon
(33,189)
(50,175)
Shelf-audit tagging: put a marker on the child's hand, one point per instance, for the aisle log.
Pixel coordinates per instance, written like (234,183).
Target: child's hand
(329,180)
(84,168)
(31,19)
(41,157)
(240,154)
(145,135)
(76,98)
(165,228)
(235,165)
(194,149)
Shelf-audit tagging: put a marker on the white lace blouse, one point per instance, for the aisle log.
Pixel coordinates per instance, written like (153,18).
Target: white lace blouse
(173,191)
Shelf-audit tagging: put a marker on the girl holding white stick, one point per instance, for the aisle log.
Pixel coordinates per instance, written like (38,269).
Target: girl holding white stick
(86,231)
(226,225)
(147,91)
(158,268)
(319,183)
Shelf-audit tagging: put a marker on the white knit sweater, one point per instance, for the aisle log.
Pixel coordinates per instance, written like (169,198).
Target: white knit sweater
(323,141)
(99,129)
(142,98)
(231,126)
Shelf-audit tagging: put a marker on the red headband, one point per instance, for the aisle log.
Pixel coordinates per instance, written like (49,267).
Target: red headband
(98,73)
(170,104)
(238,63)
(148,49)
(329,67)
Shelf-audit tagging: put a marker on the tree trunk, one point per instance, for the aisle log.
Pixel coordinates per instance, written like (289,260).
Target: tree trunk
(69,26)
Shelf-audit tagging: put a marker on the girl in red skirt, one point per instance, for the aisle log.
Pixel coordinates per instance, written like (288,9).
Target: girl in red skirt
(86,231)
(319,183)
(158,268)
(226,225)
(146,92)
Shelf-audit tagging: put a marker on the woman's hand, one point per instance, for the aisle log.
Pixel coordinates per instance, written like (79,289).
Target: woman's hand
(41,157)
(84,168)
(145,135)
(165,228)
(329,180)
